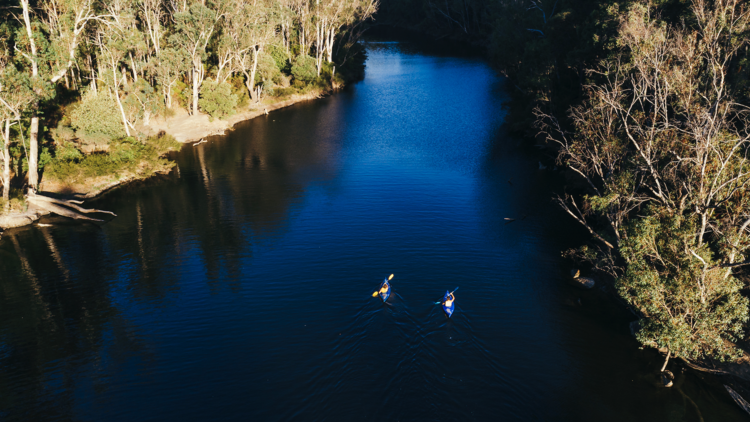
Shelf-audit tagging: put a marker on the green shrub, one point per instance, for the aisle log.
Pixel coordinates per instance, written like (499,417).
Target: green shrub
(183,94)
(304,69)
(63,133)
(95,139)
(125,151)
(125,156)
(217,99)
(240,90)
(280,57)
(66,151)
(141,101)
(284,92)
(97,117)
(163,142)
(267,88)
(44,158)
(267,69)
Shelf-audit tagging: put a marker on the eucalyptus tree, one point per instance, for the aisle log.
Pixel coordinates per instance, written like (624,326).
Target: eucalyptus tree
(113,42)
(15,97)
(331,16)
(224,51)
(6,114)
(193,29)
(52,32)
(303,21)
(249,29)
(170,66)
(662,147)
(152,14)
(286,23)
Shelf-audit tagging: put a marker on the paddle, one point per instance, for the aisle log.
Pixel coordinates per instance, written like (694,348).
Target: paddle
(438,303)
(375,293)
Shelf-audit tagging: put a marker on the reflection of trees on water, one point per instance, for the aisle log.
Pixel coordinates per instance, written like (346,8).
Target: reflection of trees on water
(239,190)
(61,286)
(55,316)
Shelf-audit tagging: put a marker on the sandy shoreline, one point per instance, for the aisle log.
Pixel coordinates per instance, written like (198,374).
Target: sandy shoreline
(182,126)
(186,128)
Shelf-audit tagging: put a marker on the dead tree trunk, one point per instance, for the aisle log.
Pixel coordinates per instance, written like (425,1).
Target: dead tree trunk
(69,208)
(663,367)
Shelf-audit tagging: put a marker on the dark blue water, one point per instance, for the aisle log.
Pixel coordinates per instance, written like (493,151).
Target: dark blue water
(239,287)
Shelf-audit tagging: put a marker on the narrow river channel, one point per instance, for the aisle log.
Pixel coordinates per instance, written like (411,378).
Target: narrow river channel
(239,287)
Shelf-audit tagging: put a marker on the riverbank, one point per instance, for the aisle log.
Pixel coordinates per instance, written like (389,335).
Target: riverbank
(186,128)
(81,182)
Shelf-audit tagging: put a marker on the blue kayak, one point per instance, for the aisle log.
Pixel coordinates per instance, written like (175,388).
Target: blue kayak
(387,293)
(448,309)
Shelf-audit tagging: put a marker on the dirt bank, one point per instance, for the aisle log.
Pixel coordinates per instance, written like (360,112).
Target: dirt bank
(182,126)
(186,128)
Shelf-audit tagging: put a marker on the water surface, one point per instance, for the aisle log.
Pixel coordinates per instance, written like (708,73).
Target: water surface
(239,287)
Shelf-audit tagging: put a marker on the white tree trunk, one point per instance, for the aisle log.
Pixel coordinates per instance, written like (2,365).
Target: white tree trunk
(319,44)
(135,70)
(168,95)
(663,367)
(196,86)
(250,83)
(117,98)
(286,32)
(6,161)
(329,44)
(302,40)
(34,132)
(34,149)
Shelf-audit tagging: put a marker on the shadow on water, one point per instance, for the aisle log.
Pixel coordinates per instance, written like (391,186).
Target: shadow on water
(239,286)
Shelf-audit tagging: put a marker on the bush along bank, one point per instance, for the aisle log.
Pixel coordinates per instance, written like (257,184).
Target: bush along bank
(643,103)
(83,87)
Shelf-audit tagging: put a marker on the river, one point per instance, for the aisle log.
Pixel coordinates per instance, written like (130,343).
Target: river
(239,286)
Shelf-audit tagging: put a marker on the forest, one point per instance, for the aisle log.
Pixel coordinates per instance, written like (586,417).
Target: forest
(644,103)
(80,80)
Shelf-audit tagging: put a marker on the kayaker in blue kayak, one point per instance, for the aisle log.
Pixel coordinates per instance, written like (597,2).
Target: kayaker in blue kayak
(385,289)
(449,300)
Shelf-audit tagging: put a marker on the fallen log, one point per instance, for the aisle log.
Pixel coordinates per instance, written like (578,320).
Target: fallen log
(702,369)
(66,208)
(59,210)
(68,203)
(738,399)
(17,220)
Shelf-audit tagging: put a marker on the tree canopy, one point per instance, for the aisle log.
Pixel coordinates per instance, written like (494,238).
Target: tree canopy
(128,60)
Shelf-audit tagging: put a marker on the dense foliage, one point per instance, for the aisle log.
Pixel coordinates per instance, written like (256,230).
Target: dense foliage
(303,69)
(94,118)
(217,99)
(136,59)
